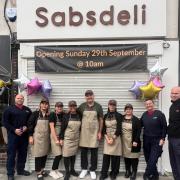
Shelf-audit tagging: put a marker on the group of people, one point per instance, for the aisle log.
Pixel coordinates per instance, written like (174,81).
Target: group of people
(83,127)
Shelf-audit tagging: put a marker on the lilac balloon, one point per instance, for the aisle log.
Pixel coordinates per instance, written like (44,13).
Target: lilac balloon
(135,88)
(46,88)
(157,82)
(33,86)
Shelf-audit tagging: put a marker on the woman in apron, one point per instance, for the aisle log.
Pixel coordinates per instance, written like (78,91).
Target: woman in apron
(38,127)
(131,130)
(55,121)
(112,141)
(69,138)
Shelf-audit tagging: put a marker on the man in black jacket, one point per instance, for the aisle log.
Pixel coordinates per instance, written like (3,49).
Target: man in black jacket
(15,119)
(174,132)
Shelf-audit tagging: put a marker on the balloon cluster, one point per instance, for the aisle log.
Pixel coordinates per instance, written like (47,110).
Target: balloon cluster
(34,86)
(150,89)
(3,86)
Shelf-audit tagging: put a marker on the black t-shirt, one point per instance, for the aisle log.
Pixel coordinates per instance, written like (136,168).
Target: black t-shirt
(54,117)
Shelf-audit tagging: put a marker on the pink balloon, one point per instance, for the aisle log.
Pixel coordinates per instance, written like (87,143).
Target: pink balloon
(157,82)
(33,86)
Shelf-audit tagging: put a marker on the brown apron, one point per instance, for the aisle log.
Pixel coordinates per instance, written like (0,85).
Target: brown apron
(71,138)
(56,148)
(41,138)
(89,129)
(114,149)
(127,141)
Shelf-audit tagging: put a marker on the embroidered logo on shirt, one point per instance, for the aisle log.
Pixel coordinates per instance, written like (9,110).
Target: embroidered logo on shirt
(155,117)
(177,110)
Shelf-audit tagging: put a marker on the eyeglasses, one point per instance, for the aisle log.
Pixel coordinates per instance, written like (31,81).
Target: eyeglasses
(60,106)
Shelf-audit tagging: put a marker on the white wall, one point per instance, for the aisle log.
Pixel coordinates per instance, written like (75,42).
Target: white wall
(3,26)
(172,18)
(170,79)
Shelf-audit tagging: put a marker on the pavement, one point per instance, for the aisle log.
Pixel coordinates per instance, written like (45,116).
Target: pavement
(33,177)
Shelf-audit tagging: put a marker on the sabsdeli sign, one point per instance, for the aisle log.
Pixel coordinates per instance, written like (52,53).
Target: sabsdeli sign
(69,19)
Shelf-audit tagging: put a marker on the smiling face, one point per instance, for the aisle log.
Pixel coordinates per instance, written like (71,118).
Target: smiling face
(149,105)
(89,99)
(72,108)
(59,109)
(175,93)
(112,107)
(44,106)
(128,111)
(19,99)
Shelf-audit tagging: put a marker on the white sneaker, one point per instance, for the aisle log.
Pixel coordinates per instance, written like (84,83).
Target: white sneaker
(83,173)
(54,175)
(93,174)
(59,174)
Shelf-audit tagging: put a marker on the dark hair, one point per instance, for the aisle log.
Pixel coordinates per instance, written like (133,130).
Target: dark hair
(149,100)
(130,106)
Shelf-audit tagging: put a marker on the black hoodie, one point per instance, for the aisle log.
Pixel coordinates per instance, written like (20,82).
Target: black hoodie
(174,120)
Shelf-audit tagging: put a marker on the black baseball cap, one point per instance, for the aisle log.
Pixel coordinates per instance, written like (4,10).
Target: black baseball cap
(59,104)
(72,103)
(44,100)
(128,106)
(89,93)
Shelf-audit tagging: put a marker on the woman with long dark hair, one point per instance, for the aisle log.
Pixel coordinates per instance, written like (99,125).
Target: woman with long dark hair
(131,130)
(38,128)
(112,141)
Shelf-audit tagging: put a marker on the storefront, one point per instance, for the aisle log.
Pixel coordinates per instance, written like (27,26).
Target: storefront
(56,38)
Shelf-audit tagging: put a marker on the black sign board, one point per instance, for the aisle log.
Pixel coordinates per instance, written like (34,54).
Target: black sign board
(91,58)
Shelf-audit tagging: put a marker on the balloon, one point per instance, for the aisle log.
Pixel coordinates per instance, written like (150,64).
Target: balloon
(33,86)
(157,70)
(135,88)
(150,91)
(2,83)
(2,90)
(22,82)
(46,88)
(157,82)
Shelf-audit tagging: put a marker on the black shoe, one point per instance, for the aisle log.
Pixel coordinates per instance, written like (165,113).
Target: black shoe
(145,177)
(44,173)
(67,176)
(74,173)
(113,177)
(133,176)
(127,174)
(154,177)
(24,173)
(102,177)
(40,177)
(10,177)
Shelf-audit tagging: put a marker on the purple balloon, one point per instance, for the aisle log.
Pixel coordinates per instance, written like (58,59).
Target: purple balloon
(46,88)
(33,86)
(135,88)
(157,82)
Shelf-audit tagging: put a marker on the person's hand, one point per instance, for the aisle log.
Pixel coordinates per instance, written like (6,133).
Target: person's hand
(31,140)
(18,132)
(99,136)
(161,142)
(57,142)
(24,128)
(110,140)
(135,144)
(61,142)
(114,136)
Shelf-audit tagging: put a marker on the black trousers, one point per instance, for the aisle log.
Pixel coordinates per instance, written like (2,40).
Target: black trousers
(40,163)
(152,152)
(17,145)
(115,164)
(131,163)
(56,162)
(84,158)
(174,154)
(69,163)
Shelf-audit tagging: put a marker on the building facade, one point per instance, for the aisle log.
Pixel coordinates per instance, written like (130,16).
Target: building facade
(42,24)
